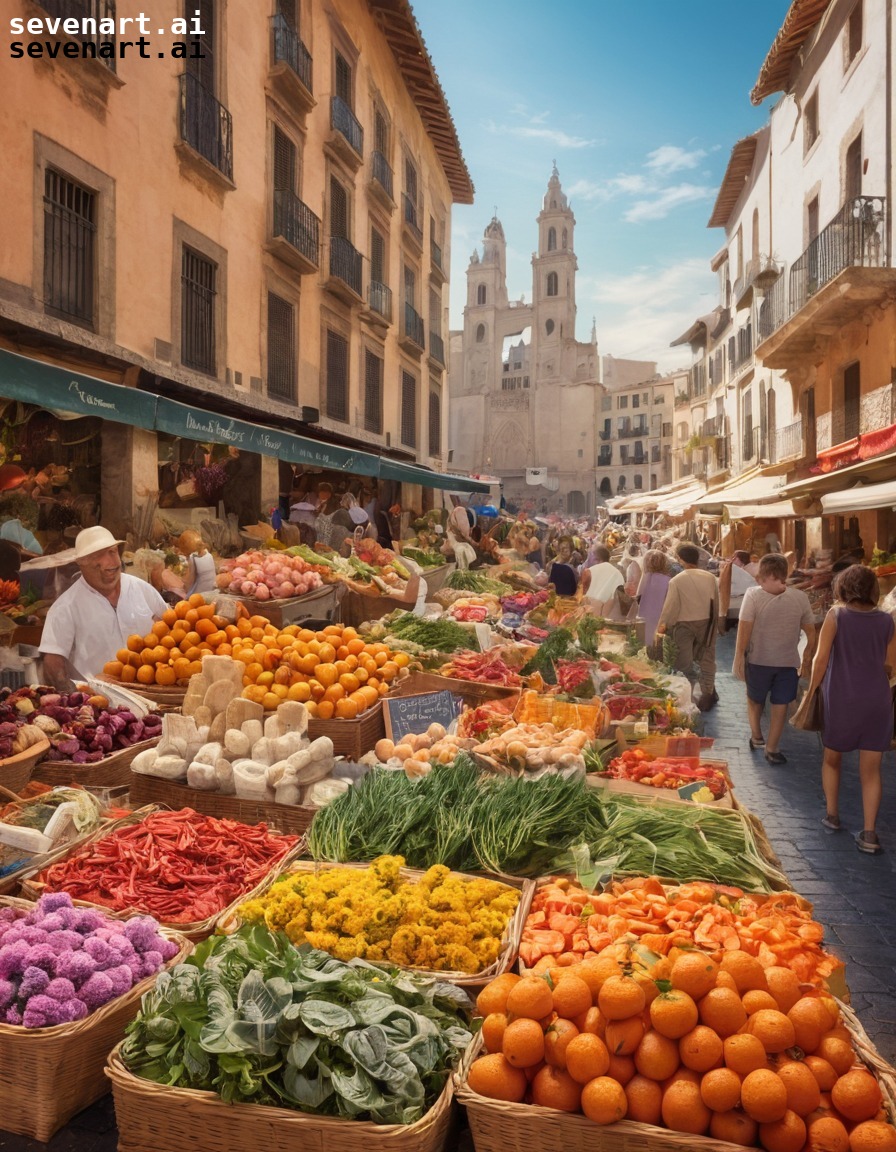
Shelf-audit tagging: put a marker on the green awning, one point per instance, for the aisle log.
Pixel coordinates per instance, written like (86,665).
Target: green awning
(58,389)
(414,474)
(200,424)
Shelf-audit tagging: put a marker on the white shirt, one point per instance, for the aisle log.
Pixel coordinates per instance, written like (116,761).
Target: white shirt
(741,582)
(204,573)
(84,627)
(605,579)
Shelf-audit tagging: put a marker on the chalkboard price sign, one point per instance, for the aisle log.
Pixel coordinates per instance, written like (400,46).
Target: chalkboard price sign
(412,715)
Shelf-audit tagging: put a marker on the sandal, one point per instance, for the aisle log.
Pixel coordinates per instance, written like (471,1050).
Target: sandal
(775,758)
(869,843)
(756,745)
(832,823)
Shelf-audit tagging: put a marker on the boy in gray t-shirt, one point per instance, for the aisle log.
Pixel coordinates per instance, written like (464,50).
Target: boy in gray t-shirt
(772,616)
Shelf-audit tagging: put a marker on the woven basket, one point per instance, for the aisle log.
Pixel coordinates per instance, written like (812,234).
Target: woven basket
(33,887)
(108,773)
(501,1127)
(352,738)
(291,818)
(152,1117)
(510,941)
(16,771)
(47,1075)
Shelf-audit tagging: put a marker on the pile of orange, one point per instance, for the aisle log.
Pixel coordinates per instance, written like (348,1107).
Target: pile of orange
(334,672)
(728,1050)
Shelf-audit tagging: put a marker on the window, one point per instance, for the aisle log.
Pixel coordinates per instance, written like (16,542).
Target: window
(552,239)
(552,284)
(622,402)
(653,480)
(377,257)
(564,239)
(549,326)
(435,422)
(810,121)
(285,166)
(851,402)
(70,219)
(343,74)
(812,219)
(339,217)
(620,484)
(645,398)
(480,294)
(380,132)
(336,400)
(854,33)
(287,9)
(748,427)
(853,172)
(480,333)
(606,488)
(435,313)
(636,401)
(410,286)
(658,399)
(606,403)
(373,392)
(202,64)
(198,291)
(281,348)
(639,482)
(408,409)
(580,453)
(410,180)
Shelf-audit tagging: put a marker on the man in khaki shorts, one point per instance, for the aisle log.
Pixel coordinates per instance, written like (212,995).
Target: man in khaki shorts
(690,616)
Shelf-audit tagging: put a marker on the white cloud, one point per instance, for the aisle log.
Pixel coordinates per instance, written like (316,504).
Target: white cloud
(602,191)
(555,136)
(670,158)
(659,205)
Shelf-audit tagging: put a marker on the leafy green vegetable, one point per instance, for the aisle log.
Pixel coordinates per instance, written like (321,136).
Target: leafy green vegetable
(476,582)
(256,1020)
(560,645)
(440,635)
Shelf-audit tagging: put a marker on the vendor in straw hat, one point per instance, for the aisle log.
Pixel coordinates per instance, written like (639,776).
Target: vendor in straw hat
(90,622)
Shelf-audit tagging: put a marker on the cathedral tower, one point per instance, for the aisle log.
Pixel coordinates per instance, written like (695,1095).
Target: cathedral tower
(554,269)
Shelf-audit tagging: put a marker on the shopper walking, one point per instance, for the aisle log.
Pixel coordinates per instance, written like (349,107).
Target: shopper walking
(772,616)
(600,580)
(691,615)
(652,590)
(855,657)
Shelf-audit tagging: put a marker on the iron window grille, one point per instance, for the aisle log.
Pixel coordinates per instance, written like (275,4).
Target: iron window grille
(281,348)
(70,226)
(198,293)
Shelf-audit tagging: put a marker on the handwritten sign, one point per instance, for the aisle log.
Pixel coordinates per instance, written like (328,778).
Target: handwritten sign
(412,715)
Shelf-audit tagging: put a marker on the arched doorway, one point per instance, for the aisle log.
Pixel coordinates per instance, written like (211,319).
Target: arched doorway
(575,502)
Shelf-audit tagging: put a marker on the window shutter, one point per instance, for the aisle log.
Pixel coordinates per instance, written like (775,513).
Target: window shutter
(408,410)
(343,79)
(204,68)
(435,422)
(377,257)
(338,209)
(373,392)
(284,162)
(337,376)
(281,348)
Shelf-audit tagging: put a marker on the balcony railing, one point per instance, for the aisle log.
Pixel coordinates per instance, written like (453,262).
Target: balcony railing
(846,424)
(750,445)
(379,297)
(631,431)
(206,125)
(605,460)
(298,225)
(381,172)
(437,348)
(344,121)
(289,49)
(435,255)
(714,426)
(605,434)
(91,9)
(788,442)
(759,273)
(345,263)
(412,328)
(410,217)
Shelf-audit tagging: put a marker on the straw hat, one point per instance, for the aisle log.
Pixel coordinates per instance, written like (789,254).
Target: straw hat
(95,539)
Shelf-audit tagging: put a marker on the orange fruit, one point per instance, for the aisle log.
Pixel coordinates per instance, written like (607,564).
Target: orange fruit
(721,1009)
(720,1090)
(169,616)
(694,973)
(113,668)
(745,969)
(596,970)
(873,1136)
(656,1057)
(755,1000)
(555,1088)
(493,1027)
(857,1095)
(810,1021)
(744,1053)
(622,1037)
(827,1134)
(803,1093)
(785,1135)
(146,674)
(686,1074)
(701,1049)
(325,709)
(763,1096)
(773,1029)
(604,1101)
(165,675)
(587,1057)
(530,996)
(557,1039)
(571,996)
(673,1014)
(784,985)
(128,674)
(622,1069)
(734,1127)
(523,1043)
(620,997)
(823,1072)
(838,1053)
(592,1021)
(644,1099)
(683,1109)
(135,643)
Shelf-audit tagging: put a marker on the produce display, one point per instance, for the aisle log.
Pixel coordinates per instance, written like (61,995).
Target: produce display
(254,1019)
(52,819)
(534,749)
(667,772)
(59,963)
(568,921)
(181,867)
(370,570)
(478,583)
(418,754)
(474,609)
(417,634)
(81,727)
(482,667)
(725,1050)
(438,921)
(267,575)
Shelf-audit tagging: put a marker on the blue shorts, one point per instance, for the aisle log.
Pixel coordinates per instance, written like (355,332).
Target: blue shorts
(763,680)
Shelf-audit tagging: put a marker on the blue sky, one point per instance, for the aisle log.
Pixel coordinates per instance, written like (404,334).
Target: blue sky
(640,103)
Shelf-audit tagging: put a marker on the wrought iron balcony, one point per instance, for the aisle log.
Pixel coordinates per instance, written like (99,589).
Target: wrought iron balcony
(788,442)
(714,426)
(287,48)
(605,434)
(412,326)
(605,460)
(206,125)
(344,121)
(759,273)
(295,223)
(345,263)
(379,297)
(632,431)
(409,209)
(91,9)
(437,348)
(381,173)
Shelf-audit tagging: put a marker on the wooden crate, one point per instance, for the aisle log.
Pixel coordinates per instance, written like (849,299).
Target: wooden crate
(471,691)
(322,603)
(108,773)
(352,738)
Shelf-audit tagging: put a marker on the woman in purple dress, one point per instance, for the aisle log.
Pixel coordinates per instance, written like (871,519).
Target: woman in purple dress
(855,656)
(651,595)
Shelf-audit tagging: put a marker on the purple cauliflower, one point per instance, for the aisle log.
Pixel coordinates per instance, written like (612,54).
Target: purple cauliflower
(167,947)
(143,933)
(60,989)
(41,956)
(13,1015)
(87,920)
(42,1012)
(17,933)
(52,922)
(122,978)
(9,915)
(65,941)
(151,962)
(34,982)
(53,901)
(7,993)
(75,966)
(99,952)
(75,1010)
(12,959)
(97,991)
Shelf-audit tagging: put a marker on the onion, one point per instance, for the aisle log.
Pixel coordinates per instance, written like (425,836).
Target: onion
(286,589)
(263,592)
(239,573)
(247,588)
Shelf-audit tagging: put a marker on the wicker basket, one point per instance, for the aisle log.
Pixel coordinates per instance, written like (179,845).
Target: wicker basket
(510,941)
(152,1117)
(471,691)
(33,887)
(291,818)
(47,1075)
(352,738)
(16,771)
(501,1127)
(107,773)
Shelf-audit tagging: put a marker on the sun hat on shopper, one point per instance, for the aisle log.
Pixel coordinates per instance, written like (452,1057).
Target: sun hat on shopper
(95,539)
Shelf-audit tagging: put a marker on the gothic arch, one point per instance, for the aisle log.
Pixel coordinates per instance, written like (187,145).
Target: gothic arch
(552,239)
(552,284)
(508,447)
